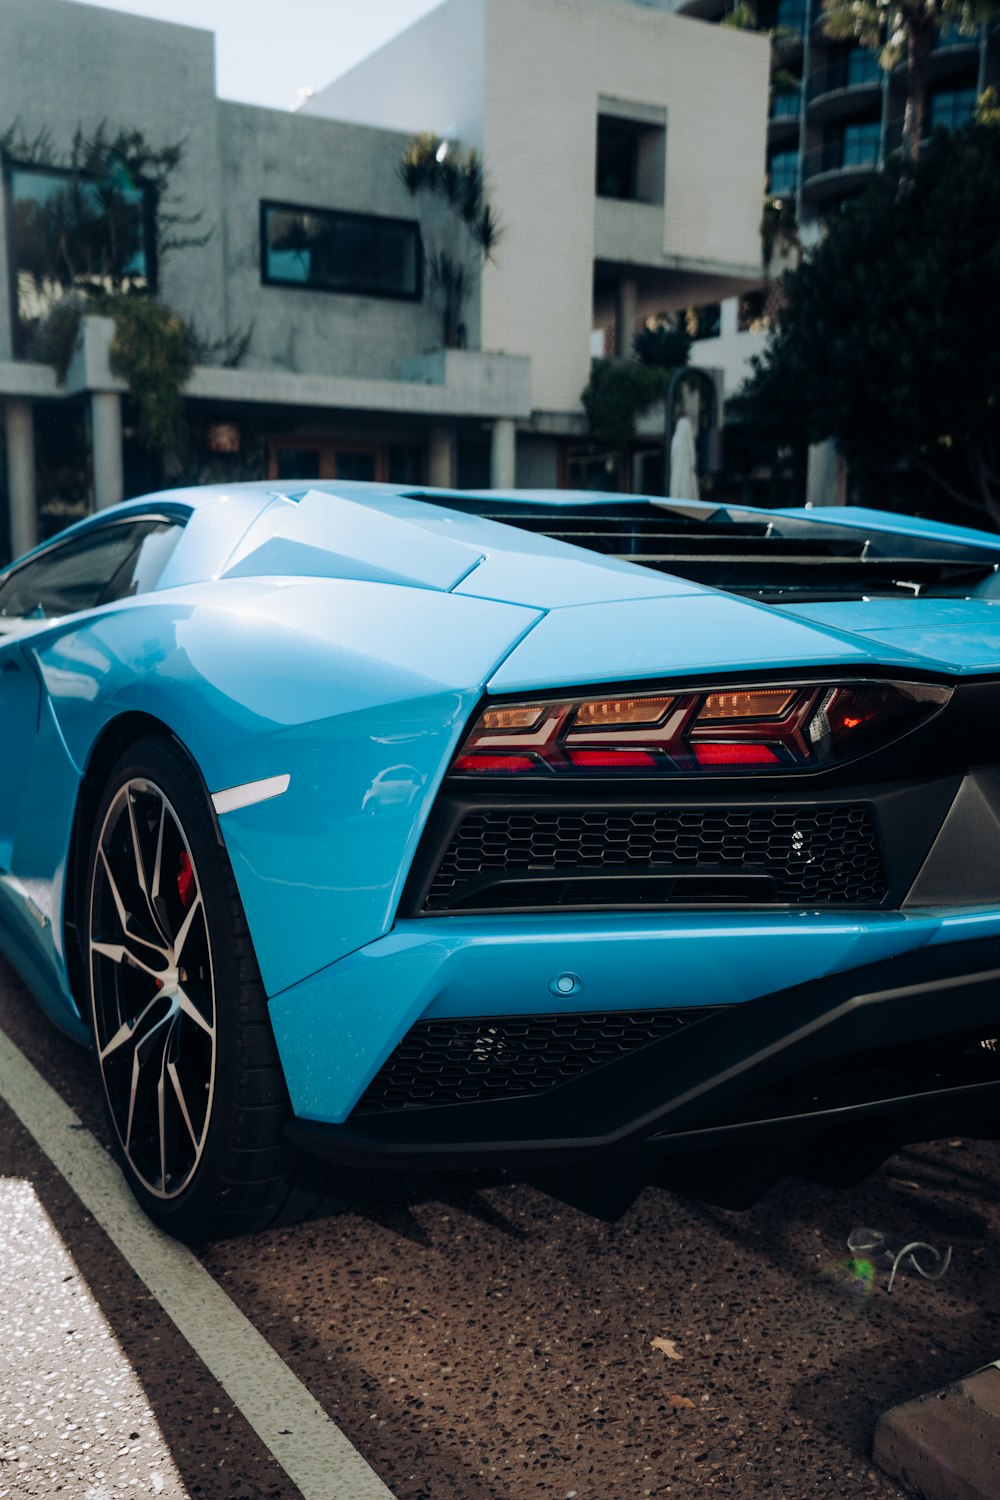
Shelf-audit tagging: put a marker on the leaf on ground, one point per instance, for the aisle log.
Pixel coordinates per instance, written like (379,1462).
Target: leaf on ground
(681,1402)
(668,1347)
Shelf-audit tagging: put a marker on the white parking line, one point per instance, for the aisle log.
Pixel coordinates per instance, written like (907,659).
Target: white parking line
(311,1449)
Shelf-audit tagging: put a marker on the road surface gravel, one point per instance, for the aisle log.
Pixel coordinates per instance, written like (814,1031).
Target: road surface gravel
(487,1341)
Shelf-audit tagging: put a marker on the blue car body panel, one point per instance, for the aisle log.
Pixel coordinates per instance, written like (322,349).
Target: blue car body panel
(344,636)
(896,524)
(960,636)
(698,632)
(505,966)
(384,681)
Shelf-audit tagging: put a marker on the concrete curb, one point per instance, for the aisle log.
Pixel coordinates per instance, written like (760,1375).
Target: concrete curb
(946,1446)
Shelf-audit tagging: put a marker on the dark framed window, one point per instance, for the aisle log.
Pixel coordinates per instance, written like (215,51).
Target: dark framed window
(863,67)
(952,108)
(98,566)
(788,16)
(861,144)
(631,159)
(785,104)
(69,232)
(328,251)
(783,172)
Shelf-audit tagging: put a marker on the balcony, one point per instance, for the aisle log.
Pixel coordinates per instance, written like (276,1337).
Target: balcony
(840,165)
(950,37)
(837,88)
(628,233)
(783,119)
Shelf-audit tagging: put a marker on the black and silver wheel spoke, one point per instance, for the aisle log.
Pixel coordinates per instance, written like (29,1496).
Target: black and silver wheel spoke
(153,988)
(148,885)
(126,923)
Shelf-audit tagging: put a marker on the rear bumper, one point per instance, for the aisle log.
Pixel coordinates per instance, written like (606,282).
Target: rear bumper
(900,1039)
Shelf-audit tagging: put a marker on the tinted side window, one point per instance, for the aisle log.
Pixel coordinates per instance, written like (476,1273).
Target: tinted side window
(142,570)
(107,563)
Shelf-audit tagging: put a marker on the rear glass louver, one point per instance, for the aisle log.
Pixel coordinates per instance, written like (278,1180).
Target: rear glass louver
(783,560)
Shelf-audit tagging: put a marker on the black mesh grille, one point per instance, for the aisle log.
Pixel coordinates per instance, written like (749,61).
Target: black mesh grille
(504,1057)
(545,857)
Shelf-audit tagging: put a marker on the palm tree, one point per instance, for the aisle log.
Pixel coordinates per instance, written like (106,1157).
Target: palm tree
(906,28)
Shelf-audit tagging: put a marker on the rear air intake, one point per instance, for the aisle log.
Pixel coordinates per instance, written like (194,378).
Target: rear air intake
(507,1057)
(553,857)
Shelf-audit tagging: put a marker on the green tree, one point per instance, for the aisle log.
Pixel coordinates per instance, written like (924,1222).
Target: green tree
(617,395)
(906,29)
(664,341)
(889,340)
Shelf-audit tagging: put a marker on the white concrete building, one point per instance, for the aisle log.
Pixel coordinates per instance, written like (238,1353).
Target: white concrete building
(624,148)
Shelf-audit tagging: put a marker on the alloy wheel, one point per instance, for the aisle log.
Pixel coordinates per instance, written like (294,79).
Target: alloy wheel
(152,988)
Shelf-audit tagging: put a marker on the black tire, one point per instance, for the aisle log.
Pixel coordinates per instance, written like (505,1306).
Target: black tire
(192,1087)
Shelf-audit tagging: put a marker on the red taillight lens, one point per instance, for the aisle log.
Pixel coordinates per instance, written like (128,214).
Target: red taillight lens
(735,755)
(613,760)
(790,727)
(489,765)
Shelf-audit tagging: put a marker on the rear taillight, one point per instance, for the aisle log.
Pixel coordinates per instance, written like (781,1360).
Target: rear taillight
(794,726)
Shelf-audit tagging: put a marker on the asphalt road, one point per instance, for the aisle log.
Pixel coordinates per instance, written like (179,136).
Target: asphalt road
(487,1342)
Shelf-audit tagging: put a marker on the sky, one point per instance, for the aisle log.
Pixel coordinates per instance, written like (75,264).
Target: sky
(266,50)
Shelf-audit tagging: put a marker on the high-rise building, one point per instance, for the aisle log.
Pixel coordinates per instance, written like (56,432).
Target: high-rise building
(835,116)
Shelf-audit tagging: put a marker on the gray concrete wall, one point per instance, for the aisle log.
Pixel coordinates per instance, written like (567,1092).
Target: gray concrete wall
(537,462)
(67,65)
(317,163)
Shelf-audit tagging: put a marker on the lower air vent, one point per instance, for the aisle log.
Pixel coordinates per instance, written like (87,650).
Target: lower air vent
(506,1057)
(532,858)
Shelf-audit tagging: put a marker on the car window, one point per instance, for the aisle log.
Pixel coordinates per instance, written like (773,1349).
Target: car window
(142,570)
(107,563)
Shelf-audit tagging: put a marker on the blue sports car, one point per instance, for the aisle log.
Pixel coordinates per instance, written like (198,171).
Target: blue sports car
(597,838)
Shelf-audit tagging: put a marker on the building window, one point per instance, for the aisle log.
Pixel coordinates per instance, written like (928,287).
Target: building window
(862,67)
(73,233)
(329,251)
(952,108)
(631,159)
(953,35)
(788,17)
(861,145)
(783,173)
(786,105)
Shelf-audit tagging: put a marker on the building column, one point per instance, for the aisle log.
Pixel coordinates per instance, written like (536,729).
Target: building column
(503,455)
(442,458)
(626,312)
(106,437)
(826,476)
(21,487)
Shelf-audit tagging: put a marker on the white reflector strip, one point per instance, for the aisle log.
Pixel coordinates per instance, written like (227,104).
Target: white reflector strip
(249,793)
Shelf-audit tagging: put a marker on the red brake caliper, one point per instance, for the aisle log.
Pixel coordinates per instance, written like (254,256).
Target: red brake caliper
(185,880)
